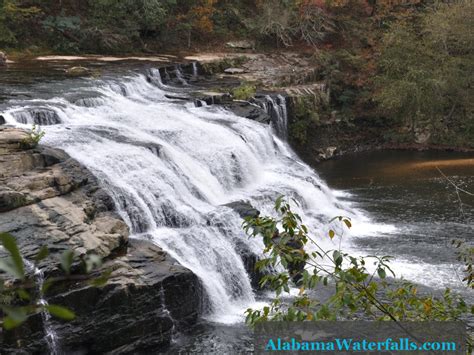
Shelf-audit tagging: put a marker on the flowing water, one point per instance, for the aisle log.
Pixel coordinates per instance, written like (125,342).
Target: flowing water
(51,337)
(407,191)
(171,168)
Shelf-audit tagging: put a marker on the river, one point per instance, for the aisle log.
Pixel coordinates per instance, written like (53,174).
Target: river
(172,167)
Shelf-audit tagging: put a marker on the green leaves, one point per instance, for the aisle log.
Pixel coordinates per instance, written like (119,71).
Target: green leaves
(66,261)
(101,281)
(354,289)
(12,265)
(15,316)
(42,254)
(24,289)
(60,312)
(337,257)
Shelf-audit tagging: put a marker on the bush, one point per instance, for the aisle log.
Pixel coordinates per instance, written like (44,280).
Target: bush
(425,78)
(244,92)
(34,137)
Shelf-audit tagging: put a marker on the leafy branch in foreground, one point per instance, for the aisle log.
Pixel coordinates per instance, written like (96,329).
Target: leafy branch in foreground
(356,291)
(21,295)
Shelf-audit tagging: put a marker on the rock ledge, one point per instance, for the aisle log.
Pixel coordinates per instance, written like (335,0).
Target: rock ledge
(47,198)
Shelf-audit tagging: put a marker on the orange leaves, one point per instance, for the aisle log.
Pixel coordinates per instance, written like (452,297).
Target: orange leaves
(200,16)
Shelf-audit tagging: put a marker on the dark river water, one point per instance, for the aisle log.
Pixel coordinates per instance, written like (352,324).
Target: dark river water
(407,191)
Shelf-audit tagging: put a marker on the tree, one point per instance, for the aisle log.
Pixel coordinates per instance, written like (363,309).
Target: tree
(425,79)
(15,21)
(195,17)
(115,24)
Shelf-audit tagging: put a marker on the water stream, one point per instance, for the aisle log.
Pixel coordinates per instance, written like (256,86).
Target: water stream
(51,337)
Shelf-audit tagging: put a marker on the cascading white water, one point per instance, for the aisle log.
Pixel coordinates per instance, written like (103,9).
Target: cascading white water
(180,76)
(171,168)
(277,110)
(50,335)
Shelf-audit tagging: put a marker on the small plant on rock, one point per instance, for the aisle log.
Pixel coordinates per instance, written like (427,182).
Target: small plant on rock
(33,138)
(244,92)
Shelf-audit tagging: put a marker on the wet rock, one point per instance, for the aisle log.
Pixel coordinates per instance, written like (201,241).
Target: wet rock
(249,259)
(177,97)
(49,199)
(243,208)
(2,120)
(147,295)
(248,110)
(213,98)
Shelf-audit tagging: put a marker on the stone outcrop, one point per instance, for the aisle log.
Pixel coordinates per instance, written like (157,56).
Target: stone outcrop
(248,110)
(78,71)
(244,44)
(249,258)
(47,198)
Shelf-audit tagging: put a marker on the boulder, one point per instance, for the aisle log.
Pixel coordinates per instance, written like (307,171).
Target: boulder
(248,110)
(244,44)
(49,199)
(326,153)
(147,297)
(422,135)
(249,258)
(78,71)
(234,71)
(2,120)
(213,98)
(243,208)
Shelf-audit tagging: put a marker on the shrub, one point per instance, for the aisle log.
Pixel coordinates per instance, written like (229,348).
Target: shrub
(244,92)
(33,138)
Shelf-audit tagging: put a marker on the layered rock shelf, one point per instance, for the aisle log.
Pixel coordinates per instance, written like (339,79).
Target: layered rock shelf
(49,199)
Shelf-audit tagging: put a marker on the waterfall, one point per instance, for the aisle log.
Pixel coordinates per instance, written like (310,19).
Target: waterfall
(38,116)
(276,108)
(195,70)
(168,313)
(51,337)
(180,76)
(200,103)
(171,168)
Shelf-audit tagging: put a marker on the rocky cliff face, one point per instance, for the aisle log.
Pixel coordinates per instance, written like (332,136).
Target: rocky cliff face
(47,198)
